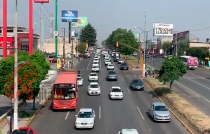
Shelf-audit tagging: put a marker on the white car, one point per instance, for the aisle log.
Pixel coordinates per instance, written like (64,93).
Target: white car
(93,77)
(79,81)
(95,60)
(128,131)
(110,67)
(94,89)
(95,68)
(85,118)
(106,62)
(120,61)
(107,58)
(95,64)
(116,93)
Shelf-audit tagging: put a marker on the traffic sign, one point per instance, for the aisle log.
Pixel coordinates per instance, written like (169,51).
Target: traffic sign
(55,33)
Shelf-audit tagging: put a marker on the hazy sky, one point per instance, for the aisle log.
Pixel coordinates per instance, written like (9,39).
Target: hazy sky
(108,15)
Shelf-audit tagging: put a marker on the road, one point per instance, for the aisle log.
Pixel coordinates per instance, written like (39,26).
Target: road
(111,116)
(194,86)
(5,104)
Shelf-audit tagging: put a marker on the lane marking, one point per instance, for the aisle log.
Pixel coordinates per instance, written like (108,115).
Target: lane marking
(199,84)
(99,114)
(115,66)
(128,91)
(207,100)
(189,89)
(140,112)
(89,63)
(67,115)
(122,79)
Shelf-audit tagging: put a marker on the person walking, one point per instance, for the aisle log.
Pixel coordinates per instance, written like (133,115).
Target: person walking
(150,72)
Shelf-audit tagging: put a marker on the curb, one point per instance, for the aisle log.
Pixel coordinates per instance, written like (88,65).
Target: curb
(4,116)
(37,111)
(170,109)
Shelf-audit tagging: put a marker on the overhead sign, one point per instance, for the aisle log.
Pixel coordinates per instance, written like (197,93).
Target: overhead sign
(81,22)
(55,33)
(185,35)
(161,29)
(69,16)
(41,1)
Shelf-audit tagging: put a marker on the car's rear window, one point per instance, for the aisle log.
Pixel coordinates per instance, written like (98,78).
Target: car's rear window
(19,132)
(93,74)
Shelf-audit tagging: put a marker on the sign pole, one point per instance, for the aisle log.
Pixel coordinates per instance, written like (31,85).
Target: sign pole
(42,28)
(69,32)
(4,28)
(56,28)
(30,26)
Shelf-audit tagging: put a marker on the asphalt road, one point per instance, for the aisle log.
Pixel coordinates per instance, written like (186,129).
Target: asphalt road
(5,104)
(194,86)
(111,115)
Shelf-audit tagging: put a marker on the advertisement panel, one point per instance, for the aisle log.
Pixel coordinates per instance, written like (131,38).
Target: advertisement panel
(81,22)
(41,1)
(69,15)
(161,29)
(185,35)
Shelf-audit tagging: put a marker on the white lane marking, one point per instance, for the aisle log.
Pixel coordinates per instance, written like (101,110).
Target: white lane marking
(122,79)
(100,64)
(188,89)
(99,114)
(89,63)
(115,66)
(199,84)
(67,115)
(207,100)
(150,130)
(140,112)
(128,91)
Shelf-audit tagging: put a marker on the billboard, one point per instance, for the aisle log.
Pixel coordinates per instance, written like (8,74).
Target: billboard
(69,15)
(41,1)
(81,22)
(185,35)
(161,29)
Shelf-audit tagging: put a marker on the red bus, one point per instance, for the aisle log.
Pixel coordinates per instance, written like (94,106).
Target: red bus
(65,91)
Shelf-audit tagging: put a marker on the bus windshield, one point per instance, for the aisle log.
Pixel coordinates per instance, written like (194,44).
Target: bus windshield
(64,93)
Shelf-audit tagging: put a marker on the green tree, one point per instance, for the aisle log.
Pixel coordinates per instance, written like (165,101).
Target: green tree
(183,45)
(198,52)
(81,47)
(166,46)
(123,36)
(88,35)
(172,69)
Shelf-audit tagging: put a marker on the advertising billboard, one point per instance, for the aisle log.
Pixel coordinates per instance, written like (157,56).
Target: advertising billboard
(161,29)
(41,1)
(69,15)
(81,22)
(185,35)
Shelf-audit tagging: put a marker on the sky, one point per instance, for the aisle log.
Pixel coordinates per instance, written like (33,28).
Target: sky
(108,15)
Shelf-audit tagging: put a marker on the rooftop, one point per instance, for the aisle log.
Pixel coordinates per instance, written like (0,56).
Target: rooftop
(85,110)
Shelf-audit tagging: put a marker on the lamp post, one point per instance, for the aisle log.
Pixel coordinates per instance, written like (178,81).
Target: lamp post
(64,41)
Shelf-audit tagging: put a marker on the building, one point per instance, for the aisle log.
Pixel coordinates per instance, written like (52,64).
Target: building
(23,40)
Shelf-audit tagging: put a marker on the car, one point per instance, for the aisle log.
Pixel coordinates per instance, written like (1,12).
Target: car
(111,75)
(120,61)
(94,89)
(95,68)
(87,55)
(147,55)
(116,93)
(107,61)
(96,58)
(79,81)
(110,67)
(24,130)
(116,58)
(107,57)
(155,56)
(124,66)
(159,112)
(113,54)
(135,54)
(128,131)
(95,63)
(85,118)
(93,77)
(137,84)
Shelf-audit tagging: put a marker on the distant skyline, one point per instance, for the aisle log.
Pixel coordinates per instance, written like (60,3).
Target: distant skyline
(108,15)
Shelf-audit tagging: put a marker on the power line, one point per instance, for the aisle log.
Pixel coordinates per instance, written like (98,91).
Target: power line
(47,10)
(205,28)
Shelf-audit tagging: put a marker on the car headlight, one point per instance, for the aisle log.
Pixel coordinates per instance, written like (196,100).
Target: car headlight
(77,123)
(156,115)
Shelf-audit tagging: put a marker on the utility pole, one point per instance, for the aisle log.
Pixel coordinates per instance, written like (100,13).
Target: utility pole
(52,30)
(72,45)
(42,28)
(4,28)
(64,41)
(15,114)
(144,66)
(176,43)
(56,28)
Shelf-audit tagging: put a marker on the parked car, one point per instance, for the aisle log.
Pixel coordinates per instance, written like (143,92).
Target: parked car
(24,130)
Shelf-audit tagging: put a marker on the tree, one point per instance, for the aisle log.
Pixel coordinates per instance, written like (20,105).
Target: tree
(198,52)
(183,45)
(81,47)
(172,69)
(88,35)
(166,46)
(127,41)
(27,79)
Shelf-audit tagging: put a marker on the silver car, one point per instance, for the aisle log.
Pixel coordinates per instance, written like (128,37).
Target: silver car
(159,112)
(111,75)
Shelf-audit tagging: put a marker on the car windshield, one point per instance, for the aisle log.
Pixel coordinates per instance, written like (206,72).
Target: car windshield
(79,78)
(110,65)
(95,62)
(65,93)
(85,115)
(111,72)
(160,108)
(93,74)
(94,86)
(123,64)
(95,66)
(116,90)
(19,132)
(137,82)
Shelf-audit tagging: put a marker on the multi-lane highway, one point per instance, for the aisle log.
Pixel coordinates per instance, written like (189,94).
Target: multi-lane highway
(194,86)
(111,115)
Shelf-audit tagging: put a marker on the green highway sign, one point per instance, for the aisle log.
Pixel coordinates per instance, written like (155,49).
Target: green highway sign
(81,22)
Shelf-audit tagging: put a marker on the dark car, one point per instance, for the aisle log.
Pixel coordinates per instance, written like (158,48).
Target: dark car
(155,55)
(147,55)
(137,85)
(116,59)
(124,66)
(111,75)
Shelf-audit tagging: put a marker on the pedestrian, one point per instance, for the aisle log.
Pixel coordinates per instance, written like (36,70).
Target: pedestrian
(145,72)
(150,72)
(154,74)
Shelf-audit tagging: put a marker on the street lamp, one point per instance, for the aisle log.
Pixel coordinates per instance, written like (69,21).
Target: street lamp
(64,41)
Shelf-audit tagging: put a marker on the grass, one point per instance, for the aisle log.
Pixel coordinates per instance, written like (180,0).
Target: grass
(129,57)
(1,132)
(25,115)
